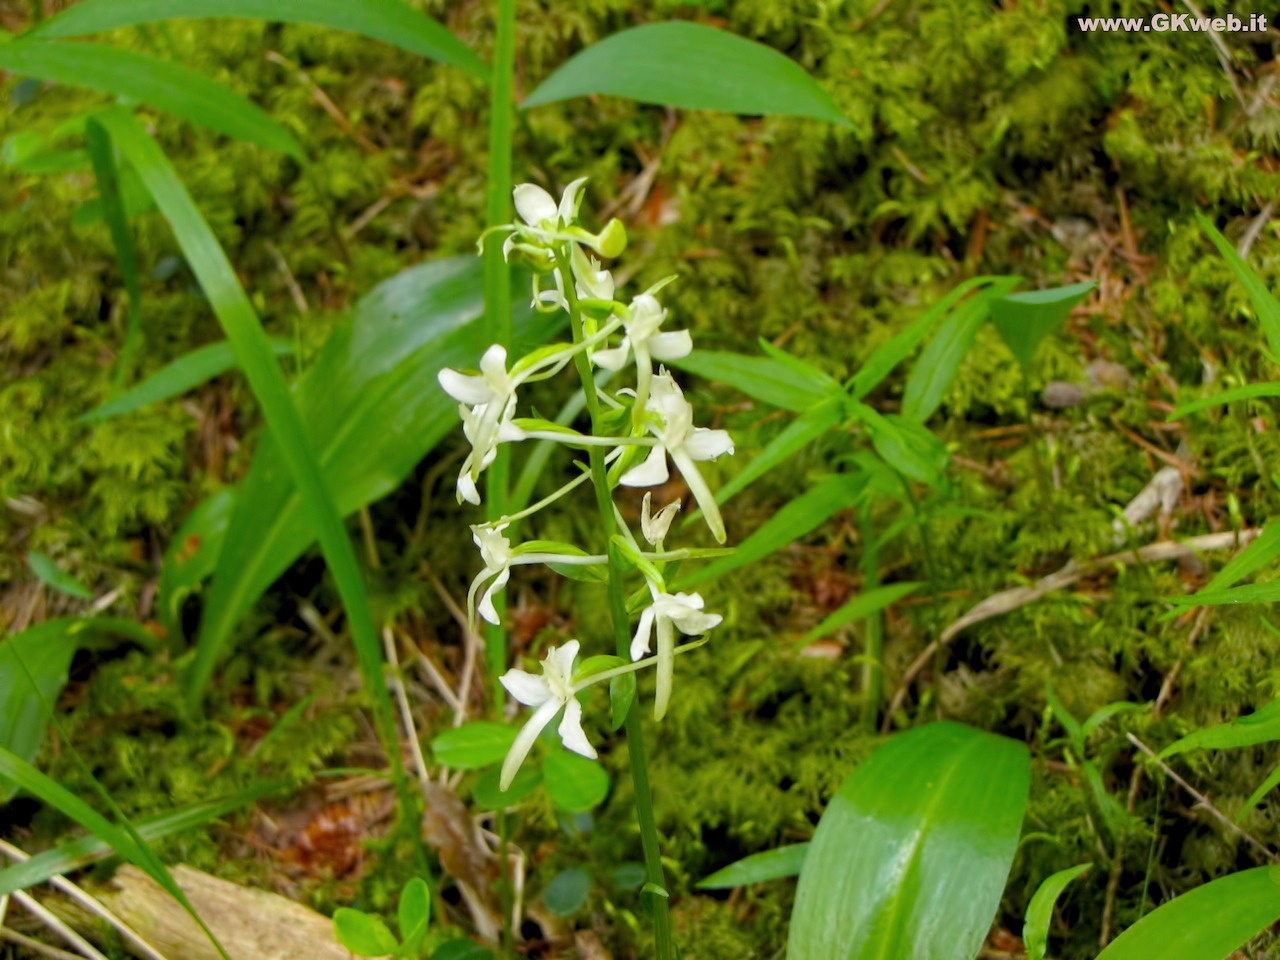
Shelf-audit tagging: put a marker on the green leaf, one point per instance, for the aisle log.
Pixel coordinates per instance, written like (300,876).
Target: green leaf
(574,783)
(1249,391)
(473,745)
(1025,319)
(372,408)
(1105,713)
(488,792)
(1035,929)
(759,867)
(1265,787)
(187,372)
(597,664)
(803,514)
(392,21)
(190,558)
(1264,302)
(48,573)
(462,950)
(1264,548)
(413,914)
(911,856)
(907,446)
(627,876)
(158,83)
(860,606)
(761,378)
(363,934)
(693,66)
(622,694)
(567,891)
(804,430)
(76,854)
(1262,726)
(1268,592)
(1206,923)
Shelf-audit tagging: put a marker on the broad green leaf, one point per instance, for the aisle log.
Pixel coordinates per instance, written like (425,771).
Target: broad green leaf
(488,792)
(760,378)
(860,606)
(690,65)
(567,891)
(886,357)
(1264,302)
(372,408)
(1262,726)
(186,373)
(48,573)
(804,430)
(392,21)
(1025,319)
(190,558)
(473,745)
(1206,923)
(1249,391)
(770,865)
(1035,929)
(911,856)
(413,914)
(938,364)
(803,514)
(166,86)
(574,783)
(77,854)
(363,934)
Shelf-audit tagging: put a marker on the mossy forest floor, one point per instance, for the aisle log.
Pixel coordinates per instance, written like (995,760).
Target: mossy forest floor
(987,139)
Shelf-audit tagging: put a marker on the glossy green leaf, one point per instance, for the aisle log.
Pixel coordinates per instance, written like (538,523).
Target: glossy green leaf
(77,854)
(759,867)
(1264,301)
(166,86)
(48,573)
(186,373)
(1206,923)
(567,892)
(1035,929)
(392,21)
(911,856)
(372,408)
(860,606)
(1025,319)
(363,934)
(413,914)
(474,745)
(574,783)
(1262,726)
(760,378)
(690,65)
(797,518)
(1250,391)
(190,559)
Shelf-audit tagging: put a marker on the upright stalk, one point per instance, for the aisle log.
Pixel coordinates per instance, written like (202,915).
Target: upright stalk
(1033,437)
(649,840)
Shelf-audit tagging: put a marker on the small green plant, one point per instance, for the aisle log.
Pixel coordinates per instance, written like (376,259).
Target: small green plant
(366,935)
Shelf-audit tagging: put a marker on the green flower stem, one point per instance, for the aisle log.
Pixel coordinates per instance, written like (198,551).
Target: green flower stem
(649,840)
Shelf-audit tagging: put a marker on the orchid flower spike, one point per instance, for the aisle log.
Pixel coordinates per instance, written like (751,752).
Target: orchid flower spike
(645,339)
(672,424)
(668,613)
(548,692)
(487,403)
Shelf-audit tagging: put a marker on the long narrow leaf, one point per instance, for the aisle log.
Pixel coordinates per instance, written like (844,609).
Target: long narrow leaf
(1262,726)
(1206,923)
(392,21)
(166,86)
(771,865)
(760,378)
(1264,548)
(1250,391)
(1264,302)
(803,431)
(862,605)
(185,373)
(1035,929)
(693,66)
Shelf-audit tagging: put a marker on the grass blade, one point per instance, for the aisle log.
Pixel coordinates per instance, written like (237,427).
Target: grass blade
(158,83)
(252,350)
(1262,726)
(392,21)
(1264,302)
(804,430)
(1035,929)
(185,373)
(862,605)
(691,65)
(48,573)
(760,378)
(1249,391)
(770,865)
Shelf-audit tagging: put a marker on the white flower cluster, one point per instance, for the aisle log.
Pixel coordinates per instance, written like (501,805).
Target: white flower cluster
(611,334)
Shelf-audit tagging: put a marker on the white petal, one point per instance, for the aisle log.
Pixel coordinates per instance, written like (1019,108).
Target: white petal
(640,643)
(560,661)
(524,741)
(570,200)
(666,668)
(694,623)
(533,204)
(650,473)
(487,609)
(467,486)
(463,387)
(671,345)
(614,359)
(529,689)
(702,494)
(571,732)
(706,444)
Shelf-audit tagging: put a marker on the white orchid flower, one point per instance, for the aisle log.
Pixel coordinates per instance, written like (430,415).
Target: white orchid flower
(655,526)
(669,613)
(549,692)
(646,340)
(546,223)
(499,557)
(687,445)
(487,403)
